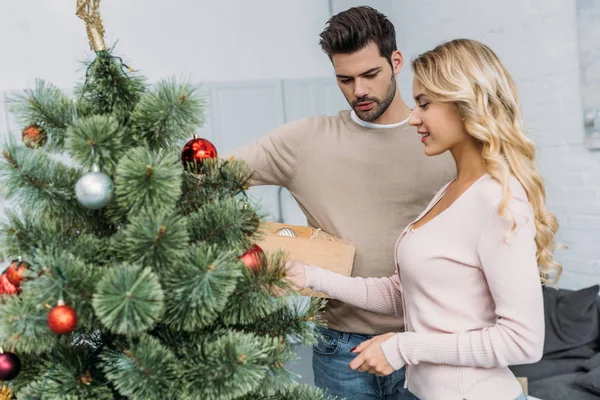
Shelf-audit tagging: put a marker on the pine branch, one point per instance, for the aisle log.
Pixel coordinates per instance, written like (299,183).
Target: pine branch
(199,286)
(292,392)
(228,368)
(22,235)
(225,223)
(292,323)
(154,240)
(41,190)
(169,113)
(99,139)
(129,299)
(70,374)
(144,370)
(46,106)
(216,179)
(148,182)
(56,274)
(109,89)
(23,325)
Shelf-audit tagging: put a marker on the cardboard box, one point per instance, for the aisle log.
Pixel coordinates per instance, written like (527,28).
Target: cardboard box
(311,246)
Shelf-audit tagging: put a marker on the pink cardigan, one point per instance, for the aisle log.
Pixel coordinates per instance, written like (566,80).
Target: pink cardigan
(470,294)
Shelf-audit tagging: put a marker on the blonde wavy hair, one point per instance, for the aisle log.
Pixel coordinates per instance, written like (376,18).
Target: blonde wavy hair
(470,75)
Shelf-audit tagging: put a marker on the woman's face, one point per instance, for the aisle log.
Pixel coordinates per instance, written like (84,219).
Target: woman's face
(440,125)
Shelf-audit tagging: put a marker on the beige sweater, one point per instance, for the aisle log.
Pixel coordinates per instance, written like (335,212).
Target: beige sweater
(361,184)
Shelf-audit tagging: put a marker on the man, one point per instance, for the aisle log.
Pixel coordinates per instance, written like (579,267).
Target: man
(361,175)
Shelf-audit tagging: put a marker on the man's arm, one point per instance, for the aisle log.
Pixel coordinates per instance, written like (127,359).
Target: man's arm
(275,157)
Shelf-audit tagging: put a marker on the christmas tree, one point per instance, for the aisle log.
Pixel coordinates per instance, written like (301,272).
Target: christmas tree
(136,274)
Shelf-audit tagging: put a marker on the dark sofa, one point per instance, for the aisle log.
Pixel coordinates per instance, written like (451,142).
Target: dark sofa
(570,367)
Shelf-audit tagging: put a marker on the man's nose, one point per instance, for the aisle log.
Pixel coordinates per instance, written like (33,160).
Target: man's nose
(360,89)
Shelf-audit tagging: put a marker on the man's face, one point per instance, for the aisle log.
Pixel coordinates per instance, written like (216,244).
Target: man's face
(367,81)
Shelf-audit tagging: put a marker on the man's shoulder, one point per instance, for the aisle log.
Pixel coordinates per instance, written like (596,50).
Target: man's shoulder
(318,123)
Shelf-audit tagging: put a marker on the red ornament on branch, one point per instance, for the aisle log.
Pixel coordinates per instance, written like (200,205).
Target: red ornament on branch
(62,319)
(34,136)
(253,258)
(6,287)
(196,151)
(14,273)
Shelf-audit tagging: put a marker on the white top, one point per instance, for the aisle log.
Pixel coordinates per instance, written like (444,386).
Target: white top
(378,126)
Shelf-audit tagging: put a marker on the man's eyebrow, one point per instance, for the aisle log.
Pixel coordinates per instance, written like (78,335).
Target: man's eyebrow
(372,70)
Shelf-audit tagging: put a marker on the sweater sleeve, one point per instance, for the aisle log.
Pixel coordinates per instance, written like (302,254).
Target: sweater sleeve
(380,295)
(273,159)
(509,264)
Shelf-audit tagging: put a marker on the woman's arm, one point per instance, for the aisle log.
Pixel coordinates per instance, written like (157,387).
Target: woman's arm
(380,295)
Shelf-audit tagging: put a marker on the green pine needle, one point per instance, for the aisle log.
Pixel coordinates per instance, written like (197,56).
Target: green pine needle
(152,239)
(199,286)
(46,106)
(148,181)
(129,299)
(231,366)
(169,113)
(145,370)
(97,139)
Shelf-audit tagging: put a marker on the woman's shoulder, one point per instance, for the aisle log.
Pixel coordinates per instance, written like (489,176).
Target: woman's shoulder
(491,195)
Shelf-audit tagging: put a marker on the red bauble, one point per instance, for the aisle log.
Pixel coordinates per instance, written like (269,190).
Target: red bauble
(14,273)
(10,366)
(252,258)
(34,136)
(62,319)
(196,151)
(6,287)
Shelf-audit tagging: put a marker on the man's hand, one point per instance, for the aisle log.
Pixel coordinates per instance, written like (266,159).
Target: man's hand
(371,358)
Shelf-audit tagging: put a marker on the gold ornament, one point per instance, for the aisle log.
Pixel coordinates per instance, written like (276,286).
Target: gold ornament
(88,11)
(6,393)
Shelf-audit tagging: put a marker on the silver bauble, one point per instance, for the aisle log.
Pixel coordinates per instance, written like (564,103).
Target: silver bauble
(286,232)
(95,189)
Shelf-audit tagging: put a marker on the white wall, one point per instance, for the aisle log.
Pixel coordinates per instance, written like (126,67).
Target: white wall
(225,40)
(538,42)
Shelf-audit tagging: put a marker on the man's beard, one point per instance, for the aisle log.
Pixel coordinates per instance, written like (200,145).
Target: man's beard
(379,107)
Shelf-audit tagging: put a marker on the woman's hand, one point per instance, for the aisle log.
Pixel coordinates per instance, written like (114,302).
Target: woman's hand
(371,358)
(295,274)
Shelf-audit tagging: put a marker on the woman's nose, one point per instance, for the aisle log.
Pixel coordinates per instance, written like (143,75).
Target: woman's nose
(414,119)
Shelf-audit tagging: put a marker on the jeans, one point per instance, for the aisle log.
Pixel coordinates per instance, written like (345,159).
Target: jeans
(331,357)
(521,397)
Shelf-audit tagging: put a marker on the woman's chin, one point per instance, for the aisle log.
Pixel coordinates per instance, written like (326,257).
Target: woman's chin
(432,151)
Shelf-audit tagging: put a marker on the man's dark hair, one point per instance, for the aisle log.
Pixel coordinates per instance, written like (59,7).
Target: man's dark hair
(355,28)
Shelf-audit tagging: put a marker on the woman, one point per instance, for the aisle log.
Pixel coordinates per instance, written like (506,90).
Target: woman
(469,267)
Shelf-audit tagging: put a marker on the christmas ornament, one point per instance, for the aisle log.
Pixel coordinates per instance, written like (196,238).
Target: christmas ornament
(14,273)
(34,136)
(62,319)
(196,151)
(252,257)
(6,393)
(6,287)
(286,232)
(95,189)
(10,366)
